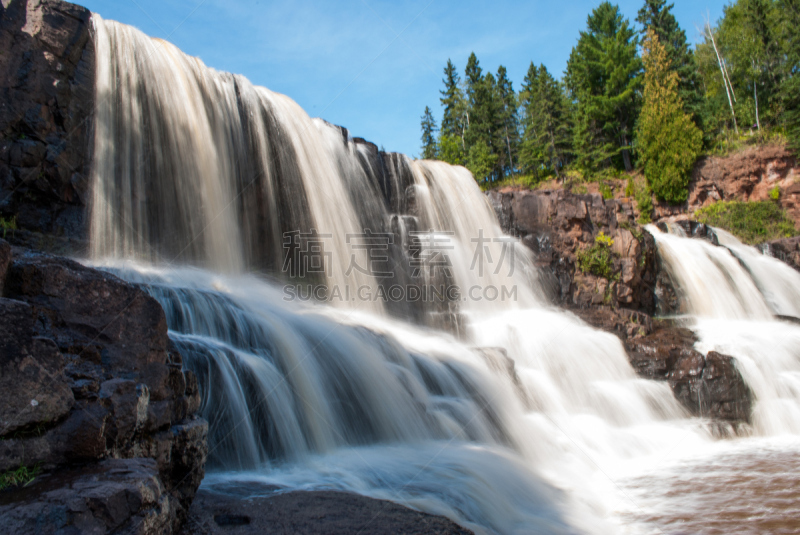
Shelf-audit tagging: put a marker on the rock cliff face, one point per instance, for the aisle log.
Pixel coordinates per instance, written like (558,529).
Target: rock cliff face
(747,176)
(89,376)
(46,106)
(557,224)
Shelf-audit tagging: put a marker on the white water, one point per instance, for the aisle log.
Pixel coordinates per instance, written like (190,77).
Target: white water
(723,286)
(193,166)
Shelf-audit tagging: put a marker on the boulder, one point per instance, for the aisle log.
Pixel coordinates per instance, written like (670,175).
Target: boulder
(111,496)
(35,390)
(330,512)
(93,376)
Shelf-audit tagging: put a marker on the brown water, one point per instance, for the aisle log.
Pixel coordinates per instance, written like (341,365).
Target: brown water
(755,488)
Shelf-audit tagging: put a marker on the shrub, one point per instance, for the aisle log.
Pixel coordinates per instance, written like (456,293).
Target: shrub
(644,202)
(775,193)
(630,187)
(752,222)
(598,259)
(606,191)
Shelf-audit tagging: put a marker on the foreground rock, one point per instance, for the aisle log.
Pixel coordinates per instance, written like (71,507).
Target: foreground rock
(115,495)
(332,513)
(88,374)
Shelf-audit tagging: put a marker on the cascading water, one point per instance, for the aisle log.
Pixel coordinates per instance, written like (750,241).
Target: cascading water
(516,419)
(733,291)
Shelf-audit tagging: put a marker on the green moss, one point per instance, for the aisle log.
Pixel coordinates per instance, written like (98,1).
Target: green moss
(598,259)
(8,224)
(775,193)
(22,476)
(637,233)
(606,191)
(751,222)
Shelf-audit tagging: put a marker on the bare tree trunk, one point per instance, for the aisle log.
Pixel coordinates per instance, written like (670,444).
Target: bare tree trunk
(508,144)
(755,97)
(725,80)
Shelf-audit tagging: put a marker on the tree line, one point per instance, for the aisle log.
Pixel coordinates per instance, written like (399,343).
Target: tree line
(631,97)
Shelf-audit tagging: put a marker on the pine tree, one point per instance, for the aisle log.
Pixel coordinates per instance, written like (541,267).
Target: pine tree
(790,84)
(669,142)
(507,122)
(547,135)
(603,79)
(657,15)
(453,102)
(428,135)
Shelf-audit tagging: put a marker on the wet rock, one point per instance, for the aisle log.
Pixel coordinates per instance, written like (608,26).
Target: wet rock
(111,496)
(334,513)
(93,351)
(711,386)
(786,249)
(708,386)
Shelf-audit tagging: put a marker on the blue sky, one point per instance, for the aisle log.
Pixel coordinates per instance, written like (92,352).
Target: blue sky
(373,65)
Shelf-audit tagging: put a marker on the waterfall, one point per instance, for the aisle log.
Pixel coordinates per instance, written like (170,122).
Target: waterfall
(733,292)
(488,406)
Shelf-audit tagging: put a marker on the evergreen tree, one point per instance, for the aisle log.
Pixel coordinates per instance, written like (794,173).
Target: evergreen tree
(657,15)
(428,135)
(669,142)
(453,102)
(790,84)
(547,129)
(507,122)
(603,78)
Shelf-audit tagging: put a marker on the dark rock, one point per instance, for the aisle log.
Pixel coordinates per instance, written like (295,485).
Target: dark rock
(708,386)
(93,352)
(786,249)
(711,386)
(5,261)
(35,390)
(312,512)
(111,496)
(47,77)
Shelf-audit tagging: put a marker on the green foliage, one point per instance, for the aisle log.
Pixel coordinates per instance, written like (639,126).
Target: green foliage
(630,187)
(752,222)
(789,87)
(657,16)
(606,191)
(546,122)
(451,150)
(669,142)
(603,79)
(598,259)
(775,193)
(480,160)
(644,202)
(22,476)
(455,107)
(428,135)
(8,224)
